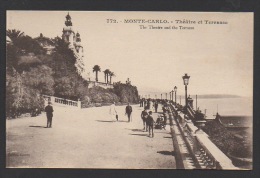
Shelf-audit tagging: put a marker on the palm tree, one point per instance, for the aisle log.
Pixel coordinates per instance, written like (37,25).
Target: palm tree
(111,74)
(14,34)
(106,72)
(96,69)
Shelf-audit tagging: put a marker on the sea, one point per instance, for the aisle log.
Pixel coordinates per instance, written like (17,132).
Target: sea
(240,106)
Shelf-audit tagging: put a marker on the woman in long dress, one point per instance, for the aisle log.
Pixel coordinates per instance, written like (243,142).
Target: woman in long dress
(112,111)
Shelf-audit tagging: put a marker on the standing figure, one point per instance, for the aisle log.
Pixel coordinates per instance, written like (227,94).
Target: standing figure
(145,101)
(156,106)
(144,116)
(128,111)
(165,118)
(148,104)
(49,113)
(150,122)
(113,112)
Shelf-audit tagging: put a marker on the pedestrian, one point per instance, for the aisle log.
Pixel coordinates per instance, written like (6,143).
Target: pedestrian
(156,106)
(144,116)
(49,113)
(148,103)
(128,111)
(150,122)
(113,112)
(165,118)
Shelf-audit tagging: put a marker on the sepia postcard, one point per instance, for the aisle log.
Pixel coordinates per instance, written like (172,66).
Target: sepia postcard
(129,90)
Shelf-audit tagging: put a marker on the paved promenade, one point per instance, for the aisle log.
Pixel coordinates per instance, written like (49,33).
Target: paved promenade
(87,138)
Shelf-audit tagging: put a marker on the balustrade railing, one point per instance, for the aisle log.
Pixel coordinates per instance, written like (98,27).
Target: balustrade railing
(62,101)
(204,152)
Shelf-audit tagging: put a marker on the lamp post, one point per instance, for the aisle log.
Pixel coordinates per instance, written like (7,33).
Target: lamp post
(161,96)
(186,82)
(175,90)
(172,95)
(166,95)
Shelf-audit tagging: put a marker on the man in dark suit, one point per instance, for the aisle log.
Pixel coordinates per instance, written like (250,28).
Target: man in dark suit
(156,106)
(150,122)
(49,114)
(128,111)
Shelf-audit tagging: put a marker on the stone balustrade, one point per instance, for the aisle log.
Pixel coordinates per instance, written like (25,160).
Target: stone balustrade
(204,151)
(61,101)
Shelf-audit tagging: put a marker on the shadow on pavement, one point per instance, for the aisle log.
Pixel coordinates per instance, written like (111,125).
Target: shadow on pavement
(137,130)
(167,137)
(170,153)
(144,135)
(37,126)
(122,121)
(104,121)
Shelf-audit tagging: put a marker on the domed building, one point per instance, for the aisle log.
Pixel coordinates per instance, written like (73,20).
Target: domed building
(74,40)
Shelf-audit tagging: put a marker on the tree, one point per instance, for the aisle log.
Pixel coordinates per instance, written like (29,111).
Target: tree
(106,72)
(96,69)
(111,74)
(14,34)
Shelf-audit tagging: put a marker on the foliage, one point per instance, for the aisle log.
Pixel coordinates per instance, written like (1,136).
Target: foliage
(126,92)
(31,73)
(23,92)
(96,69)
(101,95)
(14,34)
(25,44)
(225,140)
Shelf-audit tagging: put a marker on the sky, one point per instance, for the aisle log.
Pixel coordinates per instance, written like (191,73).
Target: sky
(218,58)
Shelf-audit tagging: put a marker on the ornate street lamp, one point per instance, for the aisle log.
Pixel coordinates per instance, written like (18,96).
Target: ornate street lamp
(175,90)
(186,82)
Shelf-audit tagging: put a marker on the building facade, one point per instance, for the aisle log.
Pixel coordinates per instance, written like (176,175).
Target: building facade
(74,40)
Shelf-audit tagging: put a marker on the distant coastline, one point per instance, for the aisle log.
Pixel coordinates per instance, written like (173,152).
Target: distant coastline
(215,96)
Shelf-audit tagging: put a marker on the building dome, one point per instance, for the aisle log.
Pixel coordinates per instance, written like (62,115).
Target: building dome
(68,20)
(68,16)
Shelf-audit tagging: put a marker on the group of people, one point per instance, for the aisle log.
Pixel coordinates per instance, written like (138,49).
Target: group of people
(146,115)
(113,112)
(148,121)
(149,104)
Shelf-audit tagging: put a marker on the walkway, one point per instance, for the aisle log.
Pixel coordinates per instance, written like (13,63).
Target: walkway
(87,138)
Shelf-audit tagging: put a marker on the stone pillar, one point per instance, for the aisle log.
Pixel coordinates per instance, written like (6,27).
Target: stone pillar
(52,99)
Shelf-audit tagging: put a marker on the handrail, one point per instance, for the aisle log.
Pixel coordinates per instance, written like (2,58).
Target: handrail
(203,149)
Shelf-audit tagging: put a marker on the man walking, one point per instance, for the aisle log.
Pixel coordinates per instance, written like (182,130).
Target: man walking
(49,113)
(128,111)
(150,122)
(144,116)
(156,106)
